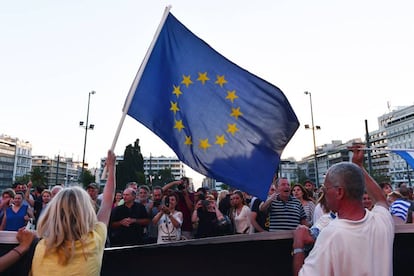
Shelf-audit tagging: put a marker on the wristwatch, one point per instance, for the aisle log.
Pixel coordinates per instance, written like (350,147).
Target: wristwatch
(297,250)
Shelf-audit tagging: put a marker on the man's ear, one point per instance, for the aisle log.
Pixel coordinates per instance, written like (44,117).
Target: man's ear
(340,192)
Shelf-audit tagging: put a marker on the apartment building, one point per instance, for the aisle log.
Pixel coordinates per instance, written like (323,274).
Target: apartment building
(398,129)
(15,159)
(58,170)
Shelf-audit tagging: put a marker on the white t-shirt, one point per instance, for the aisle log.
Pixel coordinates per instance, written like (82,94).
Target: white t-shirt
(346,247)
(242,221)
(166,230)
(318,212)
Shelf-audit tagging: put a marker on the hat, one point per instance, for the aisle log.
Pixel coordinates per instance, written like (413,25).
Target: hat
(92,186)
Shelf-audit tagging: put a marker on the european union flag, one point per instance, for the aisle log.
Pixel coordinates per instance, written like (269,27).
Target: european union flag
(219,119)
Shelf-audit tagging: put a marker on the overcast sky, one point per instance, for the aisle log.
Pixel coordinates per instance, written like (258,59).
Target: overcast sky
(355,57)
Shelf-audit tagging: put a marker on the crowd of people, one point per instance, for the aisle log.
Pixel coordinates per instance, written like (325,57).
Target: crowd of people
(74,225)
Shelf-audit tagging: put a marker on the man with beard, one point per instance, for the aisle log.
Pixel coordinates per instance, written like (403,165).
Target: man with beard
(285,211)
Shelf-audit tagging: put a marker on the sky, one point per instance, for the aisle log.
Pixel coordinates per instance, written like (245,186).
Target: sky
(355,57)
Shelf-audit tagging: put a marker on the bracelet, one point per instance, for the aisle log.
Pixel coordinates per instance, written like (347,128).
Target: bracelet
(18,252)
(297,250)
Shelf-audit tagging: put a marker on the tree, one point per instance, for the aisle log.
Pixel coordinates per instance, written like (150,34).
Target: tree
(38,177)
(23,179)
(223,186)
(87,178)
(132,167)
(300,175)
(162,177)
(380,177)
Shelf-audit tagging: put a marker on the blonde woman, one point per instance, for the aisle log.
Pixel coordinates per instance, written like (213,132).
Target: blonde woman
(72,235)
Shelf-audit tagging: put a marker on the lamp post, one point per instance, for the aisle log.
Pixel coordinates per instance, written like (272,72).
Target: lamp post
(86,126)
(313,127)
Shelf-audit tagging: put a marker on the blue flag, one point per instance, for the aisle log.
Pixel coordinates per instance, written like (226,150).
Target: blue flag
(219,119)
(407,155)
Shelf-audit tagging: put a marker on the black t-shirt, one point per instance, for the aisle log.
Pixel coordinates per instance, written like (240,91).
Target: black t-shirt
(207,223)
(133,234)
(224,205)
(262,217)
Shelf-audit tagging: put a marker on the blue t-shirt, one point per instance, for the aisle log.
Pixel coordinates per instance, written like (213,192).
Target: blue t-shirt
(15,221)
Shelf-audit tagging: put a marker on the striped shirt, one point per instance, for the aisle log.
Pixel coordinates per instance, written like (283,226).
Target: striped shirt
(285,215)
(399,208)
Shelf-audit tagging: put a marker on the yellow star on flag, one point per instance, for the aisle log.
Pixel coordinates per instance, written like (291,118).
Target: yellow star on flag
(174,107)
(220,80)
(187,80)
(232,128)
(220,140)
(231,95)
(235,112)
(179,125)
(188,140)
(202,77)
(177,92)
(204,144)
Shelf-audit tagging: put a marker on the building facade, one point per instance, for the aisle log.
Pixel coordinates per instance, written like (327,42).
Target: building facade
(152,165)
(398,129)
(326,156)
(58,170)
(15,159)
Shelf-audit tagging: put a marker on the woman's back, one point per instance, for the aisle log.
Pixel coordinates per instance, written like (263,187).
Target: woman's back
(87,259)
(72,236)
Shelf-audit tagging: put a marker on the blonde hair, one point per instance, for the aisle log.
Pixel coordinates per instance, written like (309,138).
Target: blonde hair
(69,217)
(45,191)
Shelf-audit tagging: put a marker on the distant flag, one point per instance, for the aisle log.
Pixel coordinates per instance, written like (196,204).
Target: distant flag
(407,155)
(219,119)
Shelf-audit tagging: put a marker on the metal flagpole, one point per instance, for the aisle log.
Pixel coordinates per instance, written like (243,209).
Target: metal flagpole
(136,81)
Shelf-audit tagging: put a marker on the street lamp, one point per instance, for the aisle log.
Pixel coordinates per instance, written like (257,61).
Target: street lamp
(313,127)
(86,127)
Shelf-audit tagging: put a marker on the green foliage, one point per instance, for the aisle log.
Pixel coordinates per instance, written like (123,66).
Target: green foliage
(23,179)
(86,178)
(132,167)
(380,178)
(162,177)
(140,177)
(300,175)
(38,177)
(224,186)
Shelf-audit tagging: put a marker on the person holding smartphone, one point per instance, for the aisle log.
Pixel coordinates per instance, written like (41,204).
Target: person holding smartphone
(168,220)
(185,204)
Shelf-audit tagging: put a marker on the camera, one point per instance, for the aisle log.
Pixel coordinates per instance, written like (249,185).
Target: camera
(167,201)
(205,203)
(157,203)
(202,196)
(181,186)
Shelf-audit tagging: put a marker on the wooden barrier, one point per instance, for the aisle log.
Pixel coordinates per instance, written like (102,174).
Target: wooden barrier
(236,255)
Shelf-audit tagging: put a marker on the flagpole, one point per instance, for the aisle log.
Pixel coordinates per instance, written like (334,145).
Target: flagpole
(136,81)
(382,149)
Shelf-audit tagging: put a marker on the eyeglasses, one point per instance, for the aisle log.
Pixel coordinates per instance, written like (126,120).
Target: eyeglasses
(325,189)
